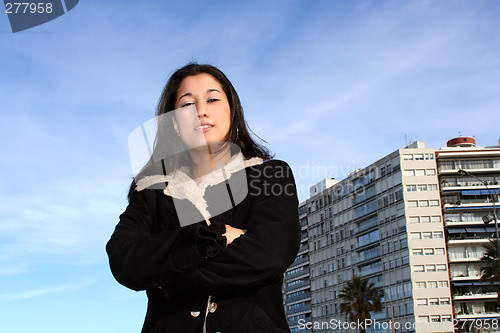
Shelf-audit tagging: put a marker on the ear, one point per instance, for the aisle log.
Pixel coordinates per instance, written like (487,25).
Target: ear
(176,126)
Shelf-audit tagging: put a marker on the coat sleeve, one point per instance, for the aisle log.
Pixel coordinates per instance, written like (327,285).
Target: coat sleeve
(141,258)
(269,246)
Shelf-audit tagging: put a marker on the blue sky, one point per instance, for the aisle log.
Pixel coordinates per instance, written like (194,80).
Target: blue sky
(335,84)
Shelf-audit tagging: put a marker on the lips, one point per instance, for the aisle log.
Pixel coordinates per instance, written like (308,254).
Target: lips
(204,127)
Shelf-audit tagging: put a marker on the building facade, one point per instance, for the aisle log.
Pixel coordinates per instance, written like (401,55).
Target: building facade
(467,198)
(390,224)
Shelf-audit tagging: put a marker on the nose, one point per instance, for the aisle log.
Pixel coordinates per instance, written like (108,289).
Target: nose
(201,110)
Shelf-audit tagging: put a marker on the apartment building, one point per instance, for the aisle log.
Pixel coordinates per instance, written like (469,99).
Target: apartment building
(384,223)
(296,286)
(468,197)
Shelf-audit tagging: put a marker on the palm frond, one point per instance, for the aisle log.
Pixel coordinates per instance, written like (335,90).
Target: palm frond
(359,297)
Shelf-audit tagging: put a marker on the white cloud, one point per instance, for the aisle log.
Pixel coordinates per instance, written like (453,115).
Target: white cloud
(47,291)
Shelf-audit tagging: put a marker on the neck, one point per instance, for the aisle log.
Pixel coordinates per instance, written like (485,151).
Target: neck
(205,159)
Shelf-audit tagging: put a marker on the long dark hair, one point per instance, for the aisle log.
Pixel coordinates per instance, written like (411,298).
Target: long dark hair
(238,134)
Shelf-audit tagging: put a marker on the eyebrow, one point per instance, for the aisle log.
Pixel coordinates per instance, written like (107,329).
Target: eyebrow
(190,94)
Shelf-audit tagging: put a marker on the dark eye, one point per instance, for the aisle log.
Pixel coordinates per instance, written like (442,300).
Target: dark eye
(187,104)
(211,100)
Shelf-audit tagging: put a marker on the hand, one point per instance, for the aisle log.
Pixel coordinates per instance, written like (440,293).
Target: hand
(232,233)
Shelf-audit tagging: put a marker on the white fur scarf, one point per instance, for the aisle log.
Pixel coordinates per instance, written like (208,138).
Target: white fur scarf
(182,186)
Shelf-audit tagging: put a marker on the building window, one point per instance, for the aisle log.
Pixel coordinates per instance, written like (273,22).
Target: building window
(429,252)
(404,243)
(433,301)
(443,284)
(418,268)
(425,219)
(435,319)
(420,172)
(413,219)
(399,195)
(435,219)
(432,284)
(439,251)
(420,285)
(411,188)
(444,301)
(409,308)
(423,319)
(438,234)
(430,268)
(441,268)
(421,301)
(418,252)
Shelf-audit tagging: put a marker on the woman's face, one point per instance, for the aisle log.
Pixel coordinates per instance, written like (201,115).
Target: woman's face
(202,114)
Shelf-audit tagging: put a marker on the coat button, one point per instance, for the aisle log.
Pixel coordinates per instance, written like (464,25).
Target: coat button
(195,313)
(213,307)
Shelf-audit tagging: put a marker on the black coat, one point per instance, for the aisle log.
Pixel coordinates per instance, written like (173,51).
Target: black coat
(236,291)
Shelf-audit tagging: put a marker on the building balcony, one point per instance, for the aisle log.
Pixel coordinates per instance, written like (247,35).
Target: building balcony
(475,296)
(303,249)
(476,310)
(296,310)
(474,291)
(299,286)
(449,170)
(469,203)
(453,224)
(464,277)
(366,258)
(479,315)
(294,323)
(296,275)
(467,206)
(452,185)
(370,241)
(456,259)
(471,241)
(367,225)
(306,296)
(370,271)
(299,262)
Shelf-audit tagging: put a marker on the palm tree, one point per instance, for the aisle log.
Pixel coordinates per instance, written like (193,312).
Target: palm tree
(491,272)
(359,298)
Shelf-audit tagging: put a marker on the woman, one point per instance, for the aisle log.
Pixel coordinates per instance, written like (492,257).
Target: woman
(210,228)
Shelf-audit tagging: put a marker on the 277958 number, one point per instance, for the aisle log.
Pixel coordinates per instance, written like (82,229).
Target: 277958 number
(476,324)
(31,7)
